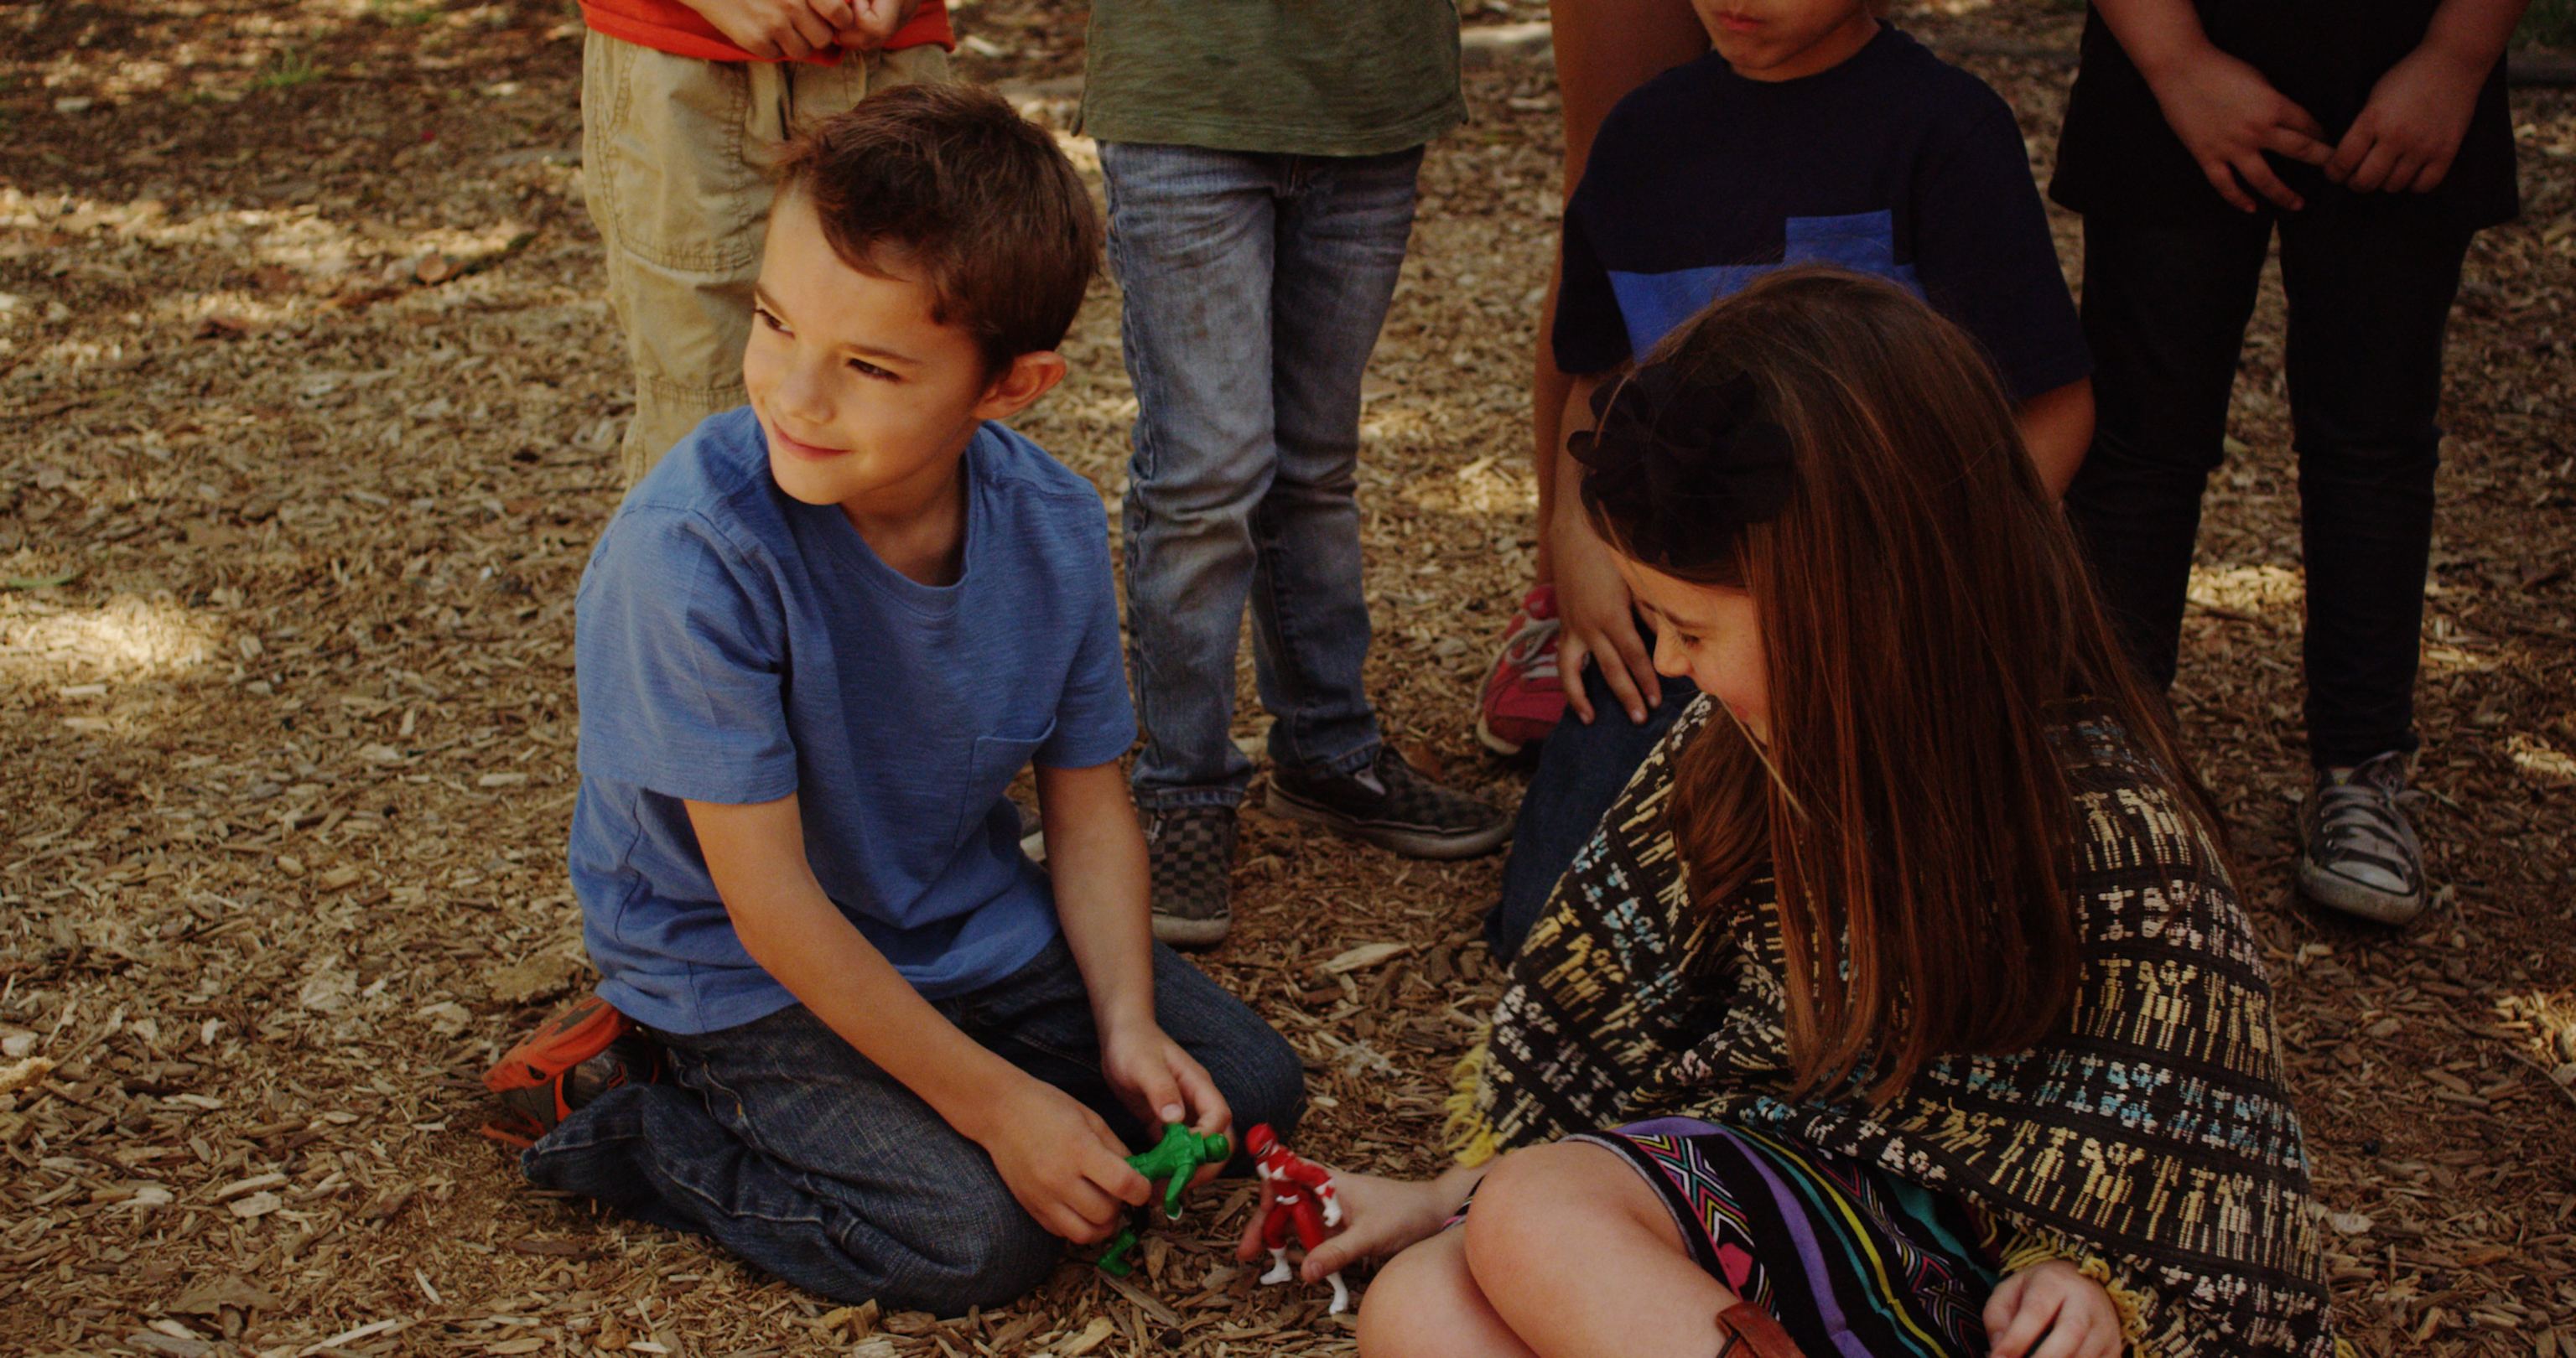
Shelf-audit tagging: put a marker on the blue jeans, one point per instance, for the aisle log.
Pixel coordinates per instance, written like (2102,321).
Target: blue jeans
(788,1147)
(1255,288)
(1581,771)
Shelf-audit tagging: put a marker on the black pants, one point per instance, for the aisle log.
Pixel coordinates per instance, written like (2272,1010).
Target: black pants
(2164,311)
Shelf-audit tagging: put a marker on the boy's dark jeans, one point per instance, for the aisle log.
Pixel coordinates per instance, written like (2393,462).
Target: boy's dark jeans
(1581,771)
(2369,287)
(792,1150)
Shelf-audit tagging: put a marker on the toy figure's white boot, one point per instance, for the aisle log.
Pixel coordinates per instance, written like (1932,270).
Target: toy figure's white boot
(1279,1271)
(1341,1295)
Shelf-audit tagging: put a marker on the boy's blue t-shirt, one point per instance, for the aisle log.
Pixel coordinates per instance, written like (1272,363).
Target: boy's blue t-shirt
(734,645)
(1892,163)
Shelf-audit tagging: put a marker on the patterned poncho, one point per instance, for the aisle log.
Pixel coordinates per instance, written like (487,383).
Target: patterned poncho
(2150,1142)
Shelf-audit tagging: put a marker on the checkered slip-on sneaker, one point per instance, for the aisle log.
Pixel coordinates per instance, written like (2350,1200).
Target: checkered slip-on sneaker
(2357,851)
(1191,852)
(1390,804)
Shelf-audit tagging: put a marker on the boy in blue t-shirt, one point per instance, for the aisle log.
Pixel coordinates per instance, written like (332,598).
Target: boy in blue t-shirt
(1813,133)
(844,1025)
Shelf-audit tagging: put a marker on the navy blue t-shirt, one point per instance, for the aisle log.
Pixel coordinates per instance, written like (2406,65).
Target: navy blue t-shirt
(735,645)
(1892,163)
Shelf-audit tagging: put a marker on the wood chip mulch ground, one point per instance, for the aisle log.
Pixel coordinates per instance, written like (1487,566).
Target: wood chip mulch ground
(307,402)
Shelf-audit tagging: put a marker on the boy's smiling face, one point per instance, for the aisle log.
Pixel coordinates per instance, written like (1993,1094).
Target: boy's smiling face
(1786,39)
(865,397)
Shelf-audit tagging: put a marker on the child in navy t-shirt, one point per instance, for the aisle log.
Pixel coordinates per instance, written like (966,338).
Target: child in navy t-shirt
(1814,134)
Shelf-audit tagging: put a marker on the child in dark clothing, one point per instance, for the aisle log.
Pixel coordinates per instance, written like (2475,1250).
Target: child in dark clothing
(1812,133)
(2375,138)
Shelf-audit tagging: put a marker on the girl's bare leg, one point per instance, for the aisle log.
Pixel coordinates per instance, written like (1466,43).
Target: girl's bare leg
(1576,1255)
(1424,1304)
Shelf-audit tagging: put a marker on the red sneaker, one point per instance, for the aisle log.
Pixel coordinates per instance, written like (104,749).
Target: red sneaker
(570,1059)
(1522,699)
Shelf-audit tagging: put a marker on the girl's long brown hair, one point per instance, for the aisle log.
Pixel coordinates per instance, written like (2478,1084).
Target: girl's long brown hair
(1925,613)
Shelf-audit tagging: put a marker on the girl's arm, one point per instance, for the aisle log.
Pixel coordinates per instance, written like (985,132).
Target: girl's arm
(2057,426)
(1058,1157)
(1103,892)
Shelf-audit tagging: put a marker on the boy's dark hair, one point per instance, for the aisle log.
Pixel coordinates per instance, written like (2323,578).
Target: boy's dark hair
(951,176)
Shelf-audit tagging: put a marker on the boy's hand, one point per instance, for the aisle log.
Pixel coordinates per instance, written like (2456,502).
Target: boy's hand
(775,30)
(1599,625)
(1383,1216)
(2228,115)
(1061,1162)
(2056,1308)
(2410,129)
(868,23)
(1162,1084)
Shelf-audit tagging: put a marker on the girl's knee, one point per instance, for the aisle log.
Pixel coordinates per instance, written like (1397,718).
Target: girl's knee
(1421,1303)
(1530,1200)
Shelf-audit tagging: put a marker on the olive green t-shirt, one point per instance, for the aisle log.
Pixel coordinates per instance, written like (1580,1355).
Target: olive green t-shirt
(1355,78)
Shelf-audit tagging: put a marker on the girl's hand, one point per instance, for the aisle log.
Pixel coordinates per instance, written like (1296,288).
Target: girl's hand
(1380,1216)
(1599,625)
(1060,1161)
(2410,129)
(2056,1308)
(2228,115)
(1161,1083)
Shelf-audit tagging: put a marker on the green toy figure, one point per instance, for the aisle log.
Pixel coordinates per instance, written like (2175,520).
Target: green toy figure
(1171,1162)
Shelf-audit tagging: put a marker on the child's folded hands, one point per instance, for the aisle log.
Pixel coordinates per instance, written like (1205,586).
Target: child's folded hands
(866,24)
(773,30)
(1060,1161)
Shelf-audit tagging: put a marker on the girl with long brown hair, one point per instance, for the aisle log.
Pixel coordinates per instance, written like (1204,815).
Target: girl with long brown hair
(1906,978)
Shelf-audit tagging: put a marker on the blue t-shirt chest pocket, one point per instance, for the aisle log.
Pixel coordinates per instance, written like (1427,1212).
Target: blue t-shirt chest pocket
(996,760)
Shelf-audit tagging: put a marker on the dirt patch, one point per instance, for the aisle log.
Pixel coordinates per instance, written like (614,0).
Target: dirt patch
(308,402)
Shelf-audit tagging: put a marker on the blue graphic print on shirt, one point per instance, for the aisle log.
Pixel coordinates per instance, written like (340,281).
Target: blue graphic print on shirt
(1653,304)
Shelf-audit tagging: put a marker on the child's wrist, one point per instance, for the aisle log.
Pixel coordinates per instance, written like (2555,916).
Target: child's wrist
(2175,58)
(979,1105)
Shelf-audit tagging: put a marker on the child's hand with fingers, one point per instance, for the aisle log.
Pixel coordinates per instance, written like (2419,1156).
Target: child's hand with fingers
(1379,1217)
(774,30)
(2227,116)
(1060,1161)
(1162,1084)
(2050,1310)
(866,24)
(2411,128)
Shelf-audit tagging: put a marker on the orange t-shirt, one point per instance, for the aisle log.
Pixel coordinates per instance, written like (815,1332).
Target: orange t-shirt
(673,27)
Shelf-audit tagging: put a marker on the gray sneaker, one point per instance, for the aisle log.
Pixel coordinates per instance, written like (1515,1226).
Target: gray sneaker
(2357,851)
(1190,850)
(1390,804)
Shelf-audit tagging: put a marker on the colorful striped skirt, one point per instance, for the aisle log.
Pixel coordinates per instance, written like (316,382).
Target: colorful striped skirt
(1852,1261)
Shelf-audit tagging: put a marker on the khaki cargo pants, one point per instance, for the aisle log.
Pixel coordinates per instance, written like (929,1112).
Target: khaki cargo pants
(674,162)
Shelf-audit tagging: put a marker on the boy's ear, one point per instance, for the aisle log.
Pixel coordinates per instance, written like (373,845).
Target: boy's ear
(1028,378)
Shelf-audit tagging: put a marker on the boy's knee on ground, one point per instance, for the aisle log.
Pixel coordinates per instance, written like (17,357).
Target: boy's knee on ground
(976,1247)
(1266,1084)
